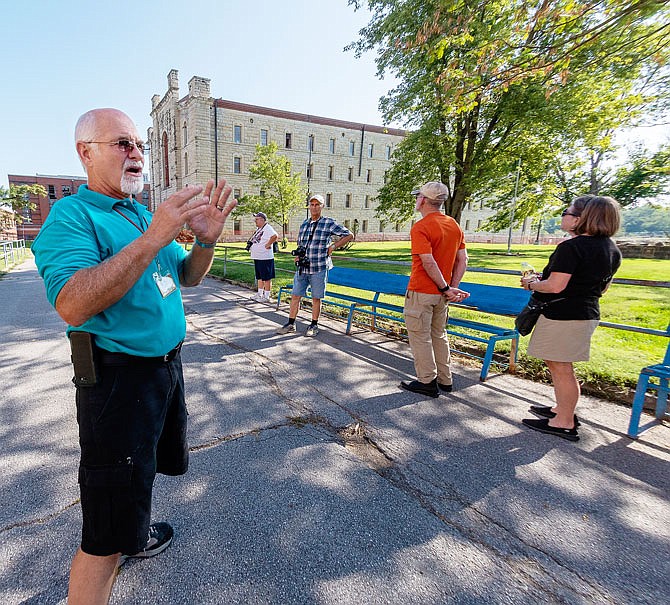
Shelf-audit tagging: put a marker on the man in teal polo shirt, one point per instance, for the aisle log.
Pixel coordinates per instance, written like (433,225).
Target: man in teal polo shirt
(113,272)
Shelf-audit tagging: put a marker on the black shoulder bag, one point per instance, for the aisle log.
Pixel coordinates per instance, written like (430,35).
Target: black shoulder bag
(526,320)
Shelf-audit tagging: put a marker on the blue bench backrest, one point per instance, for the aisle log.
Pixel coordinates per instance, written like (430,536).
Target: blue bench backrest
(373,281)
(501,300)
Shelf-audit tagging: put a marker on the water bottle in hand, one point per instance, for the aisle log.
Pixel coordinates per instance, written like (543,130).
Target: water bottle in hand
(527,269)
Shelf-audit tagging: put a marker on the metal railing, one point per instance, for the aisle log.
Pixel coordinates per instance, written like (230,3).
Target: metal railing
(12,251)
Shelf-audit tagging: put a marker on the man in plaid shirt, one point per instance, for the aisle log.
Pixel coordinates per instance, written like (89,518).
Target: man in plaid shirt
(315,236)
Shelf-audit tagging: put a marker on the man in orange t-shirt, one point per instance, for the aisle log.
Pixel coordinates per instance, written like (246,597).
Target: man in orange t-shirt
(439,261)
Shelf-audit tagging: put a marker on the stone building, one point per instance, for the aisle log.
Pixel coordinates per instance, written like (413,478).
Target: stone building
(196,138)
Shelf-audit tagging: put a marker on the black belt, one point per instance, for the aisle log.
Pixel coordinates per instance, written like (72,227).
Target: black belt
(108,358)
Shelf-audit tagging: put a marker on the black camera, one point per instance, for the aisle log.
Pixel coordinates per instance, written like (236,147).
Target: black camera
(248,245)
(302,262)
(300,252)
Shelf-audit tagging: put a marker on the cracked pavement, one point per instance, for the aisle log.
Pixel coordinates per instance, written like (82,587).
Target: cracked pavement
(315,480)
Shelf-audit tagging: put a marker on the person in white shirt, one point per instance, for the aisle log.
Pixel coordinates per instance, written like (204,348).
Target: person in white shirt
(263,256)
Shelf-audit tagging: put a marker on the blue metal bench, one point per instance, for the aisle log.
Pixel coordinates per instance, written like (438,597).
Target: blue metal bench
(497,300)
(662,372)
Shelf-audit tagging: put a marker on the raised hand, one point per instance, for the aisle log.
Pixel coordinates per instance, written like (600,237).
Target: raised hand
(172,215)
(211,211)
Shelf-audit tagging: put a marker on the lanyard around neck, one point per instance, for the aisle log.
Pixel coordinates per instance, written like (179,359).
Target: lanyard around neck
(131,221)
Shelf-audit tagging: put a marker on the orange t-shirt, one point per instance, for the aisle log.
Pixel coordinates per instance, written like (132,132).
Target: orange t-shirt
(441,236)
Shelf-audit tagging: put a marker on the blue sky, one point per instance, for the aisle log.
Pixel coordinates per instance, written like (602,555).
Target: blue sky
(60,59)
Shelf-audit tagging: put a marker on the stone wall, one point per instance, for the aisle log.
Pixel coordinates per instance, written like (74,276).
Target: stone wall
(652,249)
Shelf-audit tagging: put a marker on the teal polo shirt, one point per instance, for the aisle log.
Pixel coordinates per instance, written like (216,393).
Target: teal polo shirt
(85,229)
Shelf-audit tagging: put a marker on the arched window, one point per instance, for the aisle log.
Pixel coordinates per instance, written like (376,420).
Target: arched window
(185,164)
(184,131)
(166,169)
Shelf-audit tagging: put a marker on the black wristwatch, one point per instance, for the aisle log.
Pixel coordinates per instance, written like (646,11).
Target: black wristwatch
(443,290)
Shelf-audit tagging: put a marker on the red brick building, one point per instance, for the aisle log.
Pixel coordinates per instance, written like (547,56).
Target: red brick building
(57,187)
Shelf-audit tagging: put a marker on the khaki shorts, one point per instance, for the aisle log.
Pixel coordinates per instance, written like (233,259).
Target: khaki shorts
(562,340)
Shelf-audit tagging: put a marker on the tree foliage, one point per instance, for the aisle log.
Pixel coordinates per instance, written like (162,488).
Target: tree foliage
(17,197)
(648,220)
(645,177)
(483,84)
(282,190)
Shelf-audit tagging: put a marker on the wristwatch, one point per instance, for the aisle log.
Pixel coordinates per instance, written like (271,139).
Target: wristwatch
(443,290)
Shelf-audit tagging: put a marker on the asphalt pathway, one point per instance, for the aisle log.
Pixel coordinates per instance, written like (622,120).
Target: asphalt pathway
(315,480)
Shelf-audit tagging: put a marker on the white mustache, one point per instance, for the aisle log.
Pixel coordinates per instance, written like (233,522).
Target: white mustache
(132,164)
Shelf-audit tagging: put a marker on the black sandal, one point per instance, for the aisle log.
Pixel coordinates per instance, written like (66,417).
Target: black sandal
(545,412)
(542,425)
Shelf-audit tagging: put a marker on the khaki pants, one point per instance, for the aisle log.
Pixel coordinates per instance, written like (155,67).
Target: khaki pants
(426,319)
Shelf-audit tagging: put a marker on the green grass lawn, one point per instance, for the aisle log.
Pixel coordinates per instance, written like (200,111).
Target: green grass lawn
(616,355)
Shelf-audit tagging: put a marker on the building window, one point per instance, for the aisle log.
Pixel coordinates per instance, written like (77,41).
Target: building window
(479,224)
(310,142)
(350,174)
(237,165)
(52,192)
(381,226)
(331,171)
(329,200)
(166,169)
(237,134)
(468,207)
(237,226)
(347,200)
(261,192)
(66,190)
(364,229)
(352,148)
(347,224)
(331,145)
(185,164)
(368,178)
(184,134)
(237,194)
(388,152)
(288,140)
(467,225)
(367,202)
(264,137)
(386,176)
(145,197)
(397,226)
(481,205)
(371,149)
(310,170)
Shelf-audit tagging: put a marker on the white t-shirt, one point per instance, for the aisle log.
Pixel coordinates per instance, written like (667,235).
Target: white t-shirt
(260,239)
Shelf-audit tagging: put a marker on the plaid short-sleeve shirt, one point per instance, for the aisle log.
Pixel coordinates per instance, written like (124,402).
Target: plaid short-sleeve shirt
(317,248)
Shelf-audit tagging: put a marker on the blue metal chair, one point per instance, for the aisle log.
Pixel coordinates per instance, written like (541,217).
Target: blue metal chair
(662,372)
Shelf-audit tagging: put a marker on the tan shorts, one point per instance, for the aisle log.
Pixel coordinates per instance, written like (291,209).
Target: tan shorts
(562,340)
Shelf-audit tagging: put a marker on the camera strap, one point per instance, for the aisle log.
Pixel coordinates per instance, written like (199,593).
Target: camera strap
(311,235)
(256,237)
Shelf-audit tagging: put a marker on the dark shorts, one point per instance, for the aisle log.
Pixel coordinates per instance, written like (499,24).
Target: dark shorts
(265,269)
(131,426)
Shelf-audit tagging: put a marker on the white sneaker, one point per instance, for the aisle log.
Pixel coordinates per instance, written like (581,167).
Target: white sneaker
(257,297)
(312,331)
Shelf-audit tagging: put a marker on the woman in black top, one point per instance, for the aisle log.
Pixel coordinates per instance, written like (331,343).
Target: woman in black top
(578,273)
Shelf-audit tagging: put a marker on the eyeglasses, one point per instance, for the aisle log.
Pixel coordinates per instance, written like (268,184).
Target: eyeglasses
(125,145)
(566,213)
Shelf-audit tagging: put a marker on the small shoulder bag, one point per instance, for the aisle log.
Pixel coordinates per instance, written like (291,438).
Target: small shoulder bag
(526,320)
